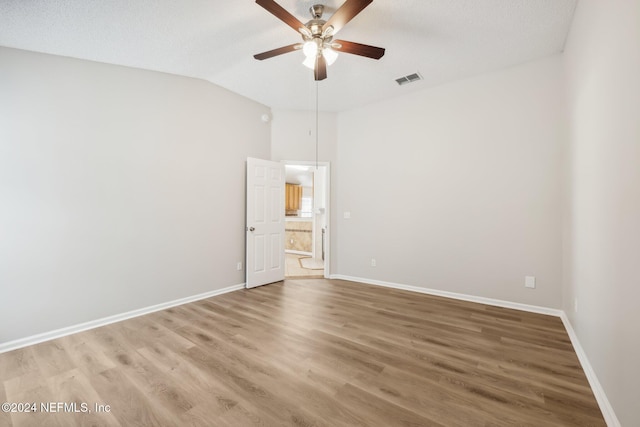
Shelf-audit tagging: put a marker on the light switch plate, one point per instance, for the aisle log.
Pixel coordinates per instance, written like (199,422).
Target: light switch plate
(529,282)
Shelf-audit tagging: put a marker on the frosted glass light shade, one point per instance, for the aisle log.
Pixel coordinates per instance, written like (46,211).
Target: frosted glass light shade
(310,49)
(330,55)
(310,62)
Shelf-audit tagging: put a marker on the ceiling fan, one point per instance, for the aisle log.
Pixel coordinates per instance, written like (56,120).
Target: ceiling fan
(317,35)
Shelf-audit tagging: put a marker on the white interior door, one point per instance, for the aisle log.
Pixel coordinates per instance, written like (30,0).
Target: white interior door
(265,222)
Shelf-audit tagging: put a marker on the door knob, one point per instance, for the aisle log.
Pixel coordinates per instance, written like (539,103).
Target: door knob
(252,229)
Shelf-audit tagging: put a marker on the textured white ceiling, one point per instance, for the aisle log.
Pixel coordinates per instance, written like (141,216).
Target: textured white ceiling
(444,40)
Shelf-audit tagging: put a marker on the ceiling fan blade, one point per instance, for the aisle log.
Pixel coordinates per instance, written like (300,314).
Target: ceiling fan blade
(346,13)
(320,70)
(358,49)
(279,51)
(279,12)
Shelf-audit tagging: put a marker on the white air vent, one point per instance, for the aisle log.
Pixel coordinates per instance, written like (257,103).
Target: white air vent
(409,79)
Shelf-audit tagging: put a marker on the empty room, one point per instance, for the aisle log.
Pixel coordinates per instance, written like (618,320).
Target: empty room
(336,213)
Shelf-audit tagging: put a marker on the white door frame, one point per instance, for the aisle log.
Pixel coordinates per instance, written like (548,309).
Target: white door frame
(327,253)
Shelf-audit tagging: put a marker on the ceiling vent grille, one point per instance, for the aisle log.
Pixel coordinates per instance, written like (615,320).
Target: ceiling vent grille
(409,79)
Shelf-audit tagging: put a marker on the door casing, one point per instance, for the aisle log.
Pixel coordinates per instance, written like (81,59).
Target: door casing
(327,165)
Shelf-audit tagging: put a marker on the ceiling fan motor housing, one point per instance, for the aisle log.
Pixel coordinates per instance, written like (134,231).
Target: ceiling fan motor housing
(315,26)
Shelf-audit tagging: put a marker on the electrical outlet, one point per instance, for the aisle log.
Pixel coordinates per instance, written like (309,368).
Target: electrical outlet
(291,241)
(347,215)
(239,266)
(575,305)
(529,282)
(373,262)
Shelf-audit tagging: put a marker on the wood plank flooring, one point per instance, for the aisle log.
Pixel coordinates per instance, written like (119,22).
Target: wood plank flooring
(309,353)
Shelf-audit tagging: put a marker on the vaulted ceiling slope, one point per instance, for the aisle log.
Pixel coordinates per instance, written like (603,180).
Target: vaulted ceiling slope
(215,40)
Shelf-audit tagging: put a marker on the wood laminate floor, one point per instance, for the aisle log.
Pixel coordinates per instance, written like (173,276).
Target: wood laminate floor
(309,353)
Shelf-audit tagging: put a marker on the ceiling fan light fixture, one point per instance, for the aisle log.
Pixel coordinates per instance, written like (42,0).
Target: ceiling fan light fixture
(327,32)
(330,55)
(310,62)
(305,32)
(310,49)
(317,35)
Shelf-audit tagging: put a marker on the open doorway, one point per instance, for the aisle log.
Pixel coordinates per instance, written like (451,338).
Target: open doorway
(306,219)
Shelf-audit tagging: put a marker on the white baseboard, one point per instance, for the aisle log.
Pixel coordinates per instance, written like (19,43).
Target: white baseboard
(605,406)
(454,295)
(46,336)
(603,402)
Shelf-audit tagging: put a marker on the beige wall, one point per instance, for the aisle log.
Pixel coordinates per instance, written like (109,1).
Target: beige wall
(298,236)
(119,189)
(602,239)
(456,188)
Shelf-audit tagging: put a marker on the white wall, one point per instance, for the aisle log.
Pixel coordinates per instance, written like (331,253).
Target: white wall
(456,188)
(293,136)
(603,242)
(119,189)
